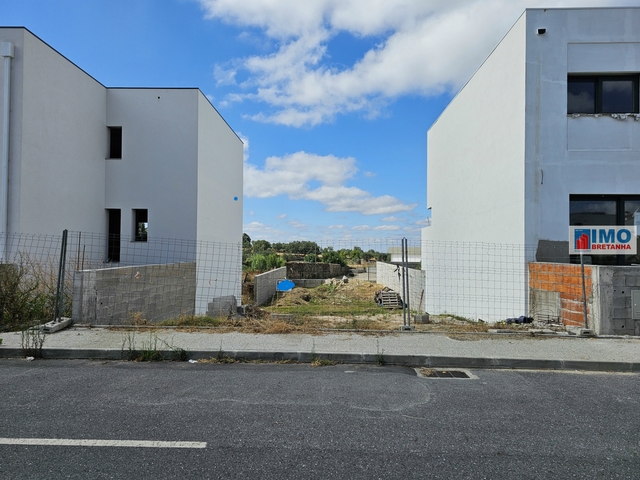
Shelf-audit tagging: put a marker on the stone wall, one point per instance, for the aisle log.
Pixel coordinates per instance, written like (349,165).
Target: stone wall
(265,284)
(387,275)
(114,296)
(305,270)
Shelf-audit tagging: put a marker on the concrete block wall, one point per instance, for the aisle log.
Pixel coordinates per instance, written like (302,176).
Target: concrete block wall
(613,311)
(555,293)
(265,284)
(113,296)
(387,275)
(555,289)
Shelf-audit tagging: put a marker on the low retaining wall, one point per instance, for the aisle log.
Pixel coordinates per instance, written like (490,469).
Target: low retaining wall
(264,285)
(304,270)
(112,296)
(390,276)
(555,292)
(308,282)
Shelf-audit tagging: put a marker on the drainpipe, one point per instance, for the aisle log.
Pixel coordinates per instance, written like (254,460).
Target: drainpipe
(6,50)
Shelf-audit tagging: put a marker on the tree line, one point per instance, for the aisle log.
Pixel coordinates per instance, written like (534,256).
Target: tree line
(261,255)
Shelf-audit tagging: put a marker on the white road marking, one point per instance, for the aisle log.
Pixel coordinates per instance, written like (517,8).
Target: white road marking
(68,442)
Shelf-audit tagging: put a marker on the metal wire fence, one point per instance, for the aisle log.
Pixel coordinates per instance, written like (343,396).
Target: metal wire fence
(152,280)
(165,278)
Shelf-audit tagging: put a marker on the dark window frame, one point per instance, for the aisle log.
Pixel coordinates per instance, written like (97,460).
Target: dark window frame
(597,82)
(115,143)
(114,217)
(140,217)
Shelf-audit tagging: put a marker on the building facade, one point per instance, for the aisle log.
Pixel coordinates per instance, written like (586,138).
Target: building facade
(546,134)
(134,165)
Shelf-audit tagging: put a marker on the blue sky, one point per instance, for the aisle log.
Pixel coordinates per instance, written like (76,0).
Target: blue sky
(333,98)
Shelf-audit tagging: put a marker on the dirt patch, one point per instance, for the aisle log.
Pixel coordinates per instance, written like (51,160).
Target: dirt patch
(335,305)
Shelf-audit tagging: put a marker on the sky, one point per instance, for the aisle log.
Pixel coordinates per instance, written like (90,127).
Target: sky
(332,98)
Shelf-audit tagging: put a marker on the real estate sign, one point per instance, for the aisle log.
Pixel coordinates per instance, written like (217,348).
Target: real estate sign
(602,240)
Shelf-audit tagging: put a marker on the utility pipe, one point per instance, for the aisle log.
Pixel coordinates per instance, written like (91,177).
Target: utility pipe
(6,50)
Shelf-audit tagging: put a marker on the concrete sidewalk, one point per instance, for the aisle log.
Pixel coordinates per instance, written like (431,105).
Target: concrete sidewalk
(401,348)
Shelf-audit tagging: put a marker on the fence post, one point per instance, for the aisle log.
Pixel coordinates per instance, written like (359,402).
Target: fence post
(60,285)
(584,294)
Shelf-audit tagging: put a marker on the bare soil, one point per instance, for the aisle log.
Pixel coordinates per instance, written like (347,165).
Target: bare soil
(335,305)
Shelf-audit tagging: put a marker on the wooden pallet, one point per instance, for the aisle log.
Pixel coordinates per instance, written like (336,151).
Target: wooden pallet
(391,300)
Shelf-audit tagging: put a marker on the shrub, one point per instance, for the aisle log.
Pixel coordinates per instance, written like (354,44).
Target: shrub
(27,294)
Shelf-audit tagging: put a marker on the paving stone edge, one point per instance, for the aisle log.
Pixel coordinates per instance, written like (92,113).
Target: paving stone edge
(433,361)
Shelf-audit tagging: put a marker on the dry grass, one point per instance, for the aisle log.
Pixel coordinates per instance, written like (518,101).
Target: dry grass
(333,306)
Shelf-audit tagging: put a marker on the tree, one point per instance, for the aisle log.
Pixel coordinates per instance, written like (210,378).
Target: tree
(356,254)
(261,246)
(333,257)
(246,240)
(311,258)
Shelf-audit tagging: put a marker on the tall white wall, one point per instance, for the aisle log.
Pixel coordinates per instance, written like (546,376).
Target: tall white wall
(56,166)
(588,154)
(219,207)
(475,153)
(219,177)
(475,187)
(158,170)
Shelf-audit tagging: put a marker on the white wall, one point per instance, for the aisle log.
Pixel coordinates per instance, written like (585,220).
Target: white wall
(158,169)
(587,154)
(219,177)
(475,187)
(475,160)
(56,170)
(219,207)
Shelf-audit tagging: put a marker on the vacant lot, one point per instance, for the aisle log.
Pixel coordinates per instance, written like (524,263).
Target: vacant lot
(334,305)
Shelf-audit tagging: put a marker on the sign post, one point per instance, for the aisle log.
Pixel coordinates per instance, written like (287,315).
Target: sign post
(600,240)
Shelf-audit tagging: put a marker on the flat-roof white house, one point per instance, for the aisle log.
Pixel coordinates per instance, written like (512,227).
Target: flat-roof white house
(132,164)
(546,134)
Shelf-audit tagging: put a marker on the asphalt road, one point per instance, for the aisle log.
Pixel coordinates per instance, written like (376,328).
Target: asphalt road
(297,421)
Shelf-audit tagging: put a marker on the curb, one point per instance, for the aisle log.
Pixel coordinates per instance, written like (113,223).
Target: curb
(432,361)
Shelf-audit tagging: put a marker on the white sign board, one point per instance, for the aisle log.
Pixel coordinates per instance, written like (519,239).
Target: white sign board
(602,240)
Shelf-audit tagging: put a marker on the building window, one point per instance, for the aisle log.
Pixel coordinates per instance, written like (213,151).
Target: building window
(113,242)
(602,94)
(140,224)
(605,210)
(115,142)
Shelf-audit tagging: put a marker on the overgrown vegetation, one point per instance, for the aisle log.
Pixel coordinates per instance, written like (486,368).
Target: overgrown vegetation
(335,305)
(261,255)
(32,341)
(147,349)
(27,293)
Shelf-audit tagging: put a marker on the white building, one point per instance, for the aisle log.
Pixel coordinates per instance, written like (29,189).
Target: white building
(545,134)
(138,164)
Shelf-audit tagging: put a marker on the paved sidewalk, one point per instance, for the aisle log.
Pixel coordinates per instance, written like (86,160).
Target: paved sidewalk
(402,348)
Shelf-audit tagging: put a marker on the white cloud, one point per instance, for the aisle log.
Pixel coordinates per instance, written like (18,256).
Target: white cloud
(258,228)
(392,219)
(245,146)
(361,227)
(280,217)
(296,224)
(421,47)
(387,227)
(425,222)
(306,176)
(335,227)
